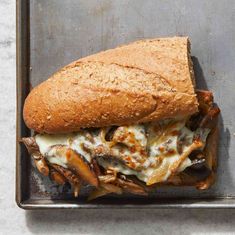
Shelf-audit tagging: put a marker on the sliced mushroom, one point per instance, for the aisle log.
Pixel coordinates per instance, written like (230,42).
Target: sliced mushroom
(76,163)
(199,168)
(111,171)
(70,177)
(42,166)
(57,177)
(131,187)
(109,161)
(201,173)
(111,188)
(39,160)
(207,111)
(205,100)
(31,145)
(210,119)
(96,167)
(68,174)
(104,189)
(99,192)
(107,178)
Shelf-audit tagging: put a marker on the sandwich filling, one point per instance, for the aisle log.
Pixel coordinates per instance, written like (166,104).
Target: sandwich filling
(117,159)
(152,152)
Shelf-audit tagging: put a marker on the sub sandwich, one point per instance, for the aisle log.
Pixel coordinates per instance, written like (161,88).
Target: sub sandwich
(127,119)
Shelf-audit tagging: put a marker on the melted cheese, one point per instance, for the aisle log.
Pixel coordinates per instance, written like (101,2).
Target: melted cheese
(75,141)
(54,158)
(140,150)
(134,143)
(133,135)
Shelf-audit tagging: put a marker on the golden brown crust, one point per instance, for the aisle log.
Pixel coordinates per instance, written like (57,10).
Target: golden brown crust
(143,81)
(169,58)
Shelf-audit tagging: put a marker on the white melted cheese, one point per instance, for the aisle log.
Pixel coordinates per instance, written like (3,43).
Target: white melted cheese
(54,158)
(186,163)
(136,131)
(134,142)
(72,140)
(156,140)
(45,141)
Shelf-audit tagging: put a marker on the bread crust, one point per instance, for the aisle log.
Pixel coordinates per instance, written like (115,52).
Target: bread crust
(140,82)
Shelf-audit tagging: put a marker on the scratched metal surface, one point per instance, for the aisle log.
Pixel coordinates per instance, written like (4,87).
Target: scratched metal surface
(62,31)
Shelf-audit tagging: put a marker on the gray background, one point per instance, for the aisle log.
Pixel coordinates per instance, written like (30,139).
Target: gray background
(16,221)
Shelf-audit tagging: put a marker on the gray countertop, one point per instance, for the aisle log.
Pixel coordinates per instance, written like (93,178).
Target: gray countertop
(16,221)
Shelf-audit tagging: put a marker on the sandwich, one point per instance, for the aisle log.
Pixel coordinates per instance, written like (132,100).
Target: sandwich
(125,120)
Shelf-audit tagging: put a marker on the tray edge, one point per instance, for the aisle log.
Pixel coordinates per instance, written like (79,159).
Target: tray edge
(30,204)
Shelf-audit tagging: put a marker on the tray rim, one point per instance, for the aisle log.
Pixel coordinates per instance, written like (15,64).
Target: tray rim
(218,203)
(22,56)
(18,196)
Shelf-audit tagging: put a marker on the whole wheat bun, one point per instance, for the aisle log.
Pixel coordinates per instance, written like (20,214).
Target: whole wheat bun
(139,82)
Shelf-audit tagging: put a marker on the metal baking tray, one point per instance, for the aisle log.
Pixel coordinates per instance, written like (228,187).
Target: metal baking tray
(50,34)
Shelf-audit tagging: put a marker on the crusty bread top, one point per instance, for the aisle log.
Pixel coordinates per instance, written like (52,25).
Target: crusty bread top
(139,82)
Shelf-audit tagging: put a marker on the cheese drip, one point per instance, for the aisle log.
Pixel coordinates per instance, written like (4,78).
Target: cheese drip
(149,151)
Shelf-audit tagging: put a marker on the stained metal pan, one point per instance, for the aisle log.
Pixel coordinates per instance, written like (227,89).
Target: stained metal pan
(50,34)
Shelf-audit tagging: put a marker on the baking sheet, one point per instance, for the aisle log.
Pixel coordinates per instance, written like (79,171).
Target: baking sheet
(53,33)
